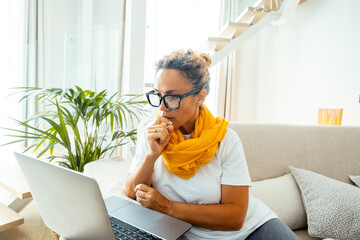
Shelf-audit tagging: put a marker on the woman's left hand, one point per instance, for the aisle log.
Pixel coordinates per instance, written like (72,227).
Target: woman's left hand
(150,198)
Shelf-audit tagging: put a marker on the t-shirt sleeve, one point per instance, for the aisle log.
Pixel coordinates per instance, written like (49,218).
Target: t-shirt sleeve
(141,150)
(233,163)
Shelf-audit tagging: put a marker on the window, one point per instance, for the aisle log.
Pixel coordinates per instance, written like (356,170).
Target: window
(173,25)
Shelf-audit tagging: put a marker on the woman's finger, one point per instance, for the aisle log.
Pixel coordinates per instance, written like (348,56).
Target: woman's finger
(157,128)
(141,200)
(154,130)
(157,136)
(140,194)
(158,132)
(160,120)
(142,187)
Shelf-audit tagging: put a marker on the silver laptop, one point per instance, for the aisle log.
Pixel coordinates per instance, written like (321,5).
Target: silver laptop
(71,204)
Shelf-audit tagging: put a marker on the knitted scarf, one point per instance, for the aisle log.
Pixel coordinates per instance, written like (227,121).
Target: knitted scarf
(184,157)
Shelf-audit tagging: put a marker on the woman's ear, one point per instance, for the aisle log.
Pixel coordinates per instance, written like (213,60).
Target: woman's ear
(201,97)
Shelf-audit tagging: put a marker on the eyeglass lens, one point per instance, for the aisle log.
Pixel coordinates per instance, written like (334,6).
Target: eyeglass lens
(170,101)
(154,99)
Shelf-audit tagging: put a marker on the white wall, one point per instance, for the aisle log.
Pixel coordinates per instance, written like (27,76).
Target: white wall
(287,72)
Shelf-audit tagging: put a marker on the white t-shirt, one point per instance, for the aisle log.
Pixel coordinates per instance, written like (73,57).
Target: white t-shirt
(227,167)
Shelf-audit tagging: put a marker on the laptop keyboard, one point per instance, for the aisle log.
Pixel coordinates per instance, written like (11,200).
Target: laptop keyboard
(124,231)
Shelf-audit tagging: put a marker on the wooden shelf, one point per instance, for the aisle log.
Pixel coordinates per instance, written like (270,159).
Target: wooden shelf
(9,218)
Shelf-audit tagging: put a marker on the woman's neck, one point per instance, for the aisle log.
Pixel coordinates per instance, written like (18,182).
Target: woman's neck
(189,126)
(185,131)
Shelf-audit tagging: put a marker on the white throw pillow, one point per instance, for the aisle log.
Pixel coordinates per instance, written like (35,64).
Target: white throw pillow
(355,180)
(332,207)
(110,173)
(282,195)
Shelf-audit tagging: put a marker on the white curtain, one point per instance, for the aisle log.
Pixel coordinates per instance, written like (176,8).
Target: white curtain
(34,50)
(12,66)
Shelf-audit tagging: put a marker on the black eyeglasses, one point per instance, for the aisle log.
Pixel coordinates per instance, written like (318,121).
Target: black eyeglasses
(171,101)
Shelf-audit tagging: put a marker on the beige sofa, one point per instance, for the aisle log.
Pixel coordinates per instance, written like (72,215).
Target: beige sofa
(333,151)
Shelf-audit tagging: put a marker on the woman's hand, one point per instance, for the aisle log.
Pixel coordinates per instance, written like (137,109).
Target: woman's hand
(159,136)
(228,215)
(150,198)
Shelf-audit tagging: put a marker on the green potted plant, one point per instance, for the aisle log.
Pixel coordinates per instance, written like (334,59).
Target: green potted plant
(85,125)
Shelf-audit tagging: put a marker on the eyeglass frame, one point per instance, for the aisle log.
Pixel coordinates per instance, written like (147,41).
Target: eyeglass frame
(173,95)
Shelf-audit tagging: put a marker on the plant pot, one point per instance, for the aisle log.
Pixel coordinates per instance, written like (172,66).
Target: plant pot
(56,236)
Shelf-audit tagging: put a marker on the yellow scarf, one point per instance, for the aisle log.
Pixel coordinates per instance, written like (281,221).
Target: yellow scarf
(184,157)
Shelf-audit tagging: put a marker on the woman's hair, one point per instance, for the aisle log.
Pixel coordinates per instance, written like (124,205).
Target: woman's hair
(193,66)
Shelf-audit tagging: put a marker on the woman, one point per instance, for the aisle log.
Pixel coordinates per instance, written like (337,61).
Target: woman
(191,166)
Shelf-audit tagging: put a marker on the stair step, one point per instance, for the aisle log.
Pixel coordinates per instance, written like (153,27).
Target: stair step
(220,42)
(13,181)
(9,218)
(233,29)
(228,40)
(252,15)
(268,4)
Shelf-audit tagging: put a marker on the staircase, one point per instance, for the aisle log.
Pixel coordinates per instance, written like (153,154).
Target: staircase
(254,18)
(19,196)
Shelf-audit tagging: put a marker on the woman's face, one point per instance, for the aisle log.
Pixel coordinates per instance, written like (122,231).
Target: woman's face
(170,81)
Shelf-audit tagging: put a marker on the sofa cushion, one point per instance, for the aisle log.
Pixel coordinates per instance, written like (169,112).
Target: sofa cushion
(303,234)
(271,148)
(282,195)
(355,180)
(110,173)
(332,207)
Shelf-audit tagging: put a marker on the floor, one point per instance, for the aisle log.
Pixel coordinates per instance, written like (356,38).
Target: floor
(33,228)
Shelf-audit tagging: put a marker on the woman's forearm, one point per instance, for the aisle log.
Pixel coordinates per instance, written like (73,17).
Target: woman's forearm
(220,217)
(228,215)
(142,175)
